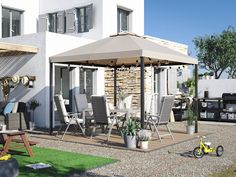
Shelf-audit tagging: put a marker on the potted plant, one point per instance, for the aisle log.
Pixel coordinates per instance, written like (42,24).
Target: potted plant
(129,133)
(144,136)
(190,128)
(33,104)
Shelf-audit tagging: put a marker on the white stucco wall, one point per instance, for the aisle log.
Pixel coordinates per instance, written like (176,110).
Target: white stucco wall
(216,87)
(110,16)
(104,15)
(30,14)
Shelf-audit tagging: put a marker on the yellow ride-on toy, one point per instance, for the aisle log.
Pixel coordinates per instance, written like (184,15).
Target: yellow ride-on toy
(204,148)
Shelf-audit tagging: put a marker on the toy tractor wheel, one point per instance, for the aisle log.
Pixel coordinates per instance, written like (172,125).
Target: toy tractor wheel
(219,150)
(198,152)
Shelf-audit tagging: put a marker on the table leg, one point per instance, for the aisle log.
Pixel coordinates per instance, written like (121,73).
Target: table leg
(7,144)
(26,144)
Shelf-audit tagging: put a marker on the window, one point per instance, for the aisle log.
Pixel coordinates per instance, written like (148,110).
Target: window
(84,15)
(87,82)
(122,20)
(11,22)
(53,22)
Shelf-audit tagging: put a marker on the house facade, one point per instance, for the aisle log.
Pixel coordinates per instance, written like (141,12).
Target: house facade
(56,26)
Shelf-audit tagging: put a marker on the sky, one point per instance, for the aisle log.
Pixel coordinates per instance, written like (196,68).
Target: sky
(183,20)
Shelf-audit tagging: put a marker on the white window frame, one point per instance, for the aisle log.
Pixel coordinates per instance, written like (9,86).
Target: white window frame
(21,20)
(119,19)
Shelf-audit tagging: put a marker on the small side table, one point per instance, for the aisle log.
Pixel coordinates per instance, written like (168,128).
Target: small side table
(10,134)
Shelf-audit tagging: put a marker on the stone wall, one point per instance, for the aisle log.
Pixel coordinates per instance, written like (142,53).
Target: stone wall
(129,82)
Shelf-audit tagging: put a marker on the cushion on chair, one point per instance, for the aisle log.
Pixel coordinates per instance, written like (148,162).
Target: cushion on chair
(8,109)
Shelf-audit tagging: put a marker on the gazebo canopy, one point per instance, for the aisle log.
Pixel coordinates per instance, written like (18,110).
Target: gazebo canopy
(123,49)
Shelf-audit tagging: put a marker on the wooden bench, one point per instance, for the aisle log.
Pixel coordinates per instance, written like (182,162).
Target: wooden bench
(10,134)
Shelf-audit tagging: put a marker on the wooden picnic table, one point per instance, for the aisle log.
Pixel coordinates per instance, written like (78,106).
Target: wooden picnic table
(7,137)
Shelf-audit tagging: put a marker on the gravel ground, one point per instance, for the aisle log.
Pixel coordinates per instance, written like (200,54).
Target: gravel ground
(173,161)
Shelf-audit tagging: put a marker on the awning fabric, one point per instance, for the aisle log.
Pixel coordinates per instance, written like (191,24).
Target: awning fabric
(122,49)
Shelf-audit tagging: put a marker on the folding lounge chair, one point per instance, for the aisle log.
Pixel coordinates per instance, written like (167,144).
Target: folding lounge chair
(67,118)
(102,116)
(81,104)
(162,118)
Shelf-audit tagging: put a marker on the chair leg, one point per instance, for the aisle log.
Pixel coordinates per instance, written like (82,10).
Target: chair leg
(109,132)
(170,132)
(158,134)
(65,131)
(83,132)
(59,130)
(93,132)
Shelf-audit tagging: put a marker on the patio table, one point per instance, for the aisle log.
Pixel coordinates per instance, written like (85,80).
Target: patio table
(126,111)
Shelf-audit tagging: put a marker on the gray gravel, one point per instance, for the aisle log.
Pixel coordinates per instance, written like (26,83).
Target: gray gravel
(173,161)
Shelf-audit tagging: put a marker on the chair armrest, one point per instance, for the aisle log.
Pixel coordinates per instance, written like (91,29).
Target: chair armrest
(74,115)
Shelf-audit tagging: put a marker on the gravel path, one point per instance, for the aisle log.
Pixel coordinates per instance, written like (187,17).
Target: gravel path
(173,161)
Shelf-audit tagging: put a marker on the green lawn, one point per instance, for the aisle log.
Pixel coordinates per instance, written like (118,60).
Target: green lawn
(230,172)
(62,162)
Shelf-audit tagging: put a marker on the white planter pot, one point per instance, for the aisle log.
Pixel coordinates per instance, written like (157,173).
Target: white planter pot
(130,141)
(143,144)
(190,129)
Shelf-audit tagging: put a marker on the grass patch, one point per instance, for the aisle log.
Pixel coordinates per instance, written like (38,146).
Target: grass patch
(62,162)
(229,172)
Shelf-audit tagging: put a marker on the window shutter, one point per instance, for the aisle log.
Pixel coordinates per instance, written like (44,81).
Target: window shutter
(61,22)
(89,15)
(43,23)
(70,20)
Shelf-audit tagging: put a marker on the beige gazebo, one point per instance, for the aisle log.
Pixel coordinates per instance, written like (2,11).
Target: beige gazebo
(123,50)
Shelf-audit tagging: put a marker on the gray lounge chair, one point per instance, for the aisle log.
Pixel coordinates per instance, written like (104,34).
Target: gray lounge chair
(81,102)
(67,118)
(162,119)
(102,116)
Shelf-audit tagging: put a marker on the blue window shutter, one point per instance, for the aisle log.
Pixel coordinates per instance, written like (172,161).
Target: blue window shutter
(70,20)
(61,22)
(43,23)
(89,16)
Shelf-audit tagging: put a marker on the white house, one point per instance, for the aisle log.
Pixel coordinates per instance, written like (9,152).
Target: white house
(56,26)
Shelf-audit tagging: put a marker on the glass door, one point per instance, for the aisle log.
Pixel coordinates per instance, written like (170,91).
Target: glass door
(87,82)
(157,90)
(63,84)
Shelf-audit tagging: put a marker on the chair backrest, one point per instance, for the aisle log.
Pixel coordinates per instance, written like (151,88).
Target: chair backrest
(148,103)
(81,102)
(61,108)
(166,108)
(126,102)
(100,112)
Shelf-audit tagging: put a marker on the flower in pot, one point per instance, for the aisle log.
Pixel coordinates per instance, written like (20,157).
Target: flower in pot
(33,104)
(129,132)
(144,136)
